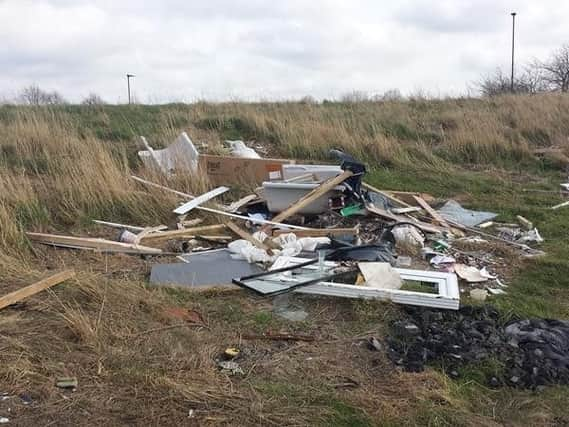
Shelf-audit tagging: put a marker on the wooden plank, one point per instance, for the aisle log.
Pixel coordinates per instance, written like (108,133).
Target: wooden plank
(172,234)
(245,235)
(90,243)
(318,232)
(216,211)
(235,206)
(20,294)
(385,194)
(189,223)
(194,203)
(148,231)
(433,213)
(406,210)
(560,205)
(311,197)
(397,218)
(407,196)
(528,225)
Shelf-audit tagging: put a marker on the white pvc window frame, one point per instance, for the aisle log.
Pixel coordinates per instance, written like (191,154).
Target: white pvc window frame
(447,297)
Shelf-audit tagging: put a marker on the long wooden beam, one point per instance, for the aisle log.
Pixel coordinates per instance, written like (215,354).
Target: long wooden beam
(90,243)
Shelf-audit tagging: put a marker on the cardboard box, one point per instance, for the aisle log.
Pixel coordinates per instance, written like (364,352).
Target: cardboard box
(223,170)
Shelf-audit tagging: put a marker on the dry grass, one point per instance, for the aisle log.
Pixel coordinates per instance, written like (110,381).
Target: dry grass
(61,168)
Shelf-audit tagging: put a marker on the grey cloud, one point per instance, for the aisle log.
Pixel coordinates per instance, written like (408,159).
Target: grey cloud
(183,49)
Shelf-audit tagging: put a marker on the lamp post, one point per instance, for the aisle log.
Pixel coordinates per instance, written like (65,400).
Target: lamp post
(513,32)
(128,76)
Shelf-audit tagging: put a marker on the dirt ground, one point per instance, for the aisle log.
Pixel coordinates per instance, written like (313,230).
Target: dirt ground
(148,356)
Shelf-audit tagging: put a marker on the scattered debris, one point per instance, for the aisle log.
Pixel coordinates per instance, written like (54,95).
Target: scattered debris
(472,274)
(230,367)
(374,344)
(67,382)
(279,337)
(231,352)
(408,235)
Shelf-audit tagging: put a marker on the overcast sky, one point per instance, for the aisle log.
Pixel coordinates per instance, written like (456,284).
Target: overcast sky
(181,50)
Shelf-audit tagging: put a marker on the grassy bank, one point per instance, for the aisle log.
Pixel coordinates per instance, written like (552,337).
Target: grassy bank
(62,167)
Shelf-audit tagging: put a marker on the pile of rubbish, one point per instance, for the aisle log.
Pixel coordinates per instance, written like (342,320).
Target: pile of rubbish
(315,229)
(322,230)
(531,353)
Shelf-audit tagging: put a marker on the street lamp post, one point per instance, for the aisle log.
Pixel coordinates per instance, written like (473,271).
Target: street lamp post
(513,32)
(128,76)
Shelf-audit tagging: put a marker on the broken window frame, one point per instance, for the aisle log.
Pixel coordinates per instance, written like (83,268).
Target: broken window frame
(447,297)
(326,275)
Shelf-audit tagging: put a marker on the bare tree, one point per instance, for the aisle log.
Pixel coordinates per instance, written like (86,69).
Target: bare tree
(93,99)
(556,69)
(494,84)
(355,96)
(530,81)
(34,95)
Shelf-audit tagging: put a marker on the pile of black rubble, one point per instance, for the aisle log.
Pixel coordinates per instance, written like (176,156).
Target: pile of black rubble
(533,352)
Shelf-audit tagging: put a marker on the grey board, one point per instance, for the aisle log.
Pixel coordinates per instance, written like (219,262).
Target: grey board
(203,269)
(453,211)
